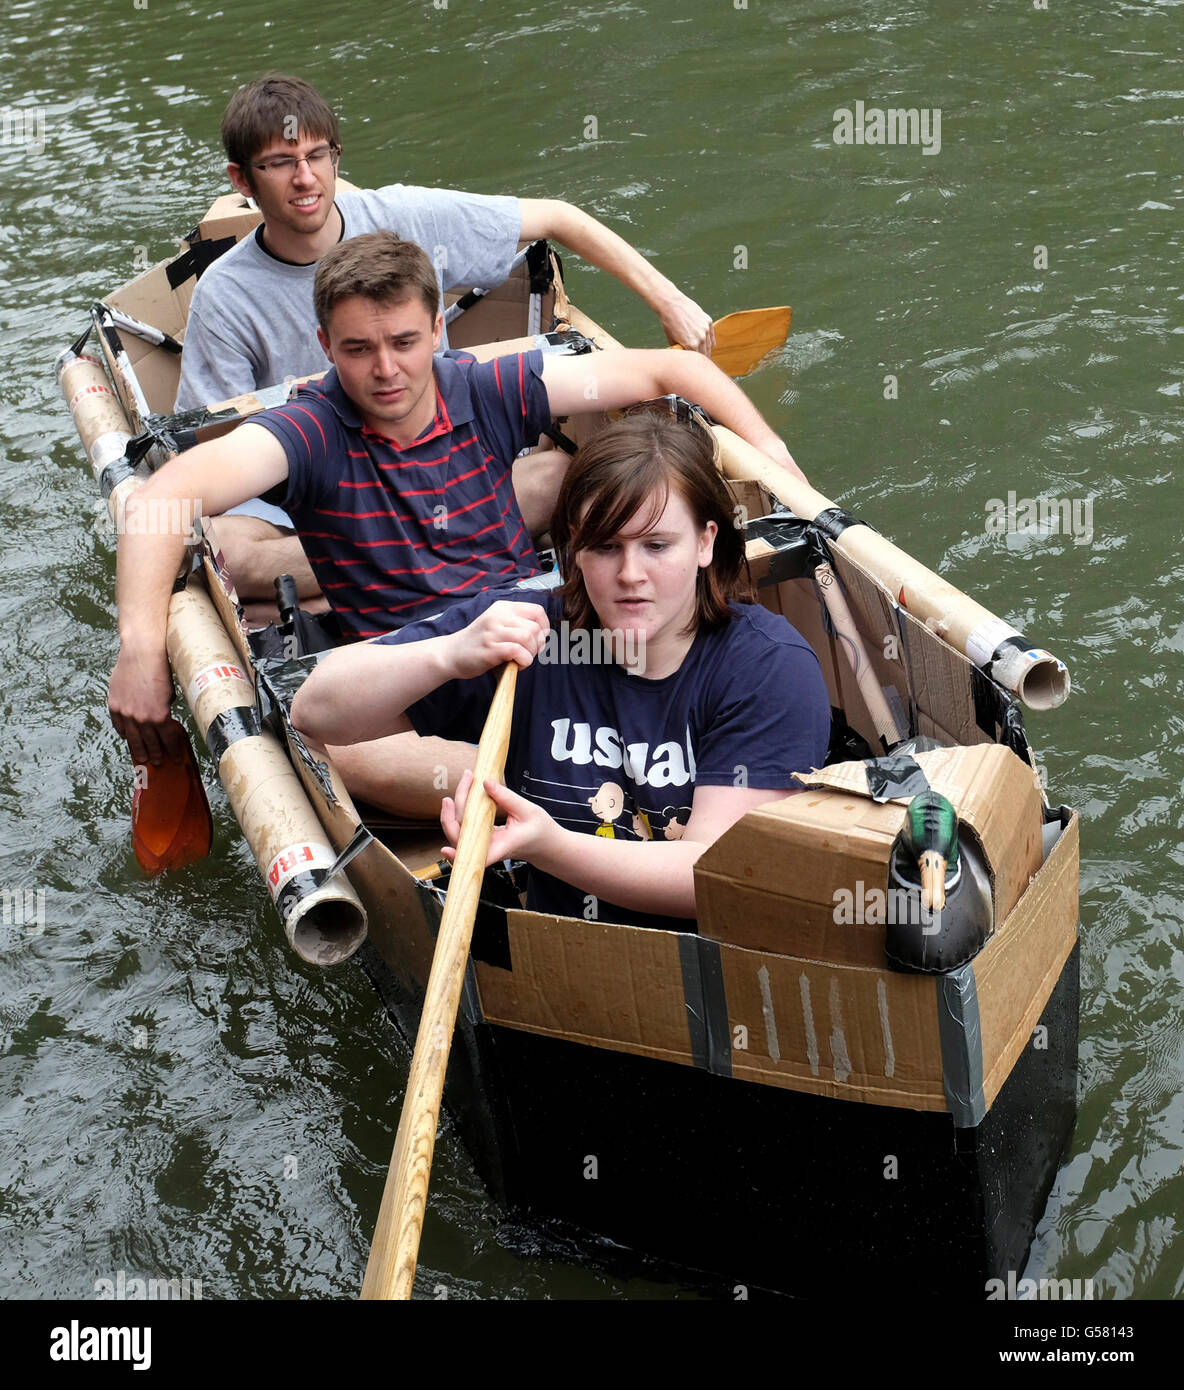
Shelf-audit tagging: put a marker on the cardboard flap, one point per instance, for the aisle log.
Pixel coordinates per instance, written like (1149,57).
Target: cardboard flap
(993,791)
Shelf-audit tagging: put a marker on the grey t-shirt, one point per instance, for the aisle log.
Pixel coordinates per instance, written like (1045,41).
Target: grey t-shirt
(252,324)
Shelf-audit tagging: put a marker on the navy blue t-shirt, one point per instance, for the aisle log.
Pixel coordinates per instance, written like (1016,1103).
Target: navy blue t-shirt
(389,531)
(609,753)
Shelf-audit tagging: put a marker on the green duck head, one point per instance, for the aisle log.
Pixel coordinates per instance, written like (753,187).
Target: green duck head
(931,835)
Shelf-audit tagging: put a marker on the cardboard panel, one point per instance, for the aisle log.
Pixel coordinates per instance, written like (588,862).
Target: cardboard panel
(610,986)
(1019,967)
(859,1033)
(866,1035)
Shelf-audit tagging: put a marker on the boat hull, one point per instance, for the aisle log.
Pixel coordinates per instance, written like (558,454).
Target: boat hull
(740,1188)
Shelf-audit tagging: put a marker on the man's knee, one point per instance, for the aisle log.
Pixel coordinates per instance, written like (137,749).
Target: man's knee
(256,552)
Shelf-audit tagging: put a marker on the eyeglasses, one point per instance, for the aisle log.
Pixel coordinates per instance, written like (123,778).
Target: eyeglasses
(283,166)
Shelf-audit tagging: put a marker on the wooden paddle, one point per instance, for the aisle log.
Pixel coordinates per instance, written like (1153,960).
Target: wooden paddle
(390,1271)
(743,338)
(171,821)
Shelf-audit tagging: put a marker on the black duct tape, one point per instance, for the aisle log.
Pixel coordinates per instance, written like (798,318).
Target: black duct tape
(538,264)
(239,721)
(297,888)
(197,260)
(895,776)
(706,1001)
(1019,642)
(570,344)
(998,714)
(114,474)
(790,537)
(276,684)
(834,521)
(960,1029)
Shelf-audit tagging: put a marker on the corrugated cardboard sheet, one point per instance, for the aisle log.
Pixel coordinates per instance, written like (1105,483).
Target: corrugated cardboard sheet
(848,1028)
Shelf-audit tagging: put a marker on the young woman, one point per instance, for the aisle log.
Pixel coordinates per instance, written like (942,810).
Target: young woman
(656,704)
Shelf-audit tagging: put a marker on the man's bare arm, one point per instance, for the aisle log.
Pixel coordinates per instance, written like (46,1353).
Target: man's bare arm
(206,480)
(607,380)
(683,321)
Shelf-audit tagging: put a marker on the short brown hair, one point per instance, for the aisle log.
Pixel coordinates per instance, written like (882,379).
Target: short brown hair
(630,464)
(375,265)
(274,107)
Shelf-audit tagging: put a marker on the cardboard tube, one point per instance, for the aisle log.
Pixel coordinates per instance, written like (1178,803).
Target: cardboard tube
(324,921)
(1034,675)
(99,419)
(861,666)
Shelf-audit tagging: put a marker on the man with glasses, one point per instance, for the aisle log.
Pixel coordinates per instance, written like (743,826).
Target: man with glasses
(251,322)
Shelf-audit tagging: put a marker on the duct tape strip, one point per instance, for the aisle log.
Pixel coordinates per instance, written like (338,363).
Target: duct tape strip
(239,721)
(361,839)
(1019,642)
(197,260)
(109,460)
(296,873)
(570,344)
(833,521)
(706,1001)
(895,776)
(795,558)
(960,1028)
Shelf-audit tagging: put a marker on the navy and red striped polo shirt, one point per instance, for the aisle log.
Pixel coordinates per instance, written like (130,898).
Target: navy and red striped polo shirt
(390,532)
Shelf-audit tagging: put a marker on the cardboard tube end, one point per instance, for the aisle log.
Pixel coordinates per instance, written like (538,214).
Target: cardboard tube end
(326,931)
(1045,685)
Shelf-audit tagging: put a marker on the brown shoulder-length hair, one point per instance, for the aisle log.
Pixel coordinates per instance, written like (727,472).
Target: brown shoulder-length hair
(630,467)
(274,107)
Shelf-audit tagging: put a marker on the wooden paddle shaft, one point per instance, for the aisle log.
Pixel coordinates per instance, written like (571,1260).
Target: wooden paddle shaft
(390,1271)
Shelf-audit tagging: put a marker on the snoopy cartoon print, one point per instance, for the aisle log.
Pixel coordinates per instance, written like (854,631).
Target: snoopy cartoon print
(607,805)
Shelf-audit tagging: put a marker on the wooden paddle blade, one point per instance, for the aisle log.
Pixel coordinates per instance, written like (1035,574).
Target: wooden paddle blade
(171,821)
(743,338)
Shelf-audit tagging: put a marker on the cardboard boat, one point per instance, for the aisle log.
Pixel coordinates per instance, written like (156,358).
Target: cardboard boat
(765,1104)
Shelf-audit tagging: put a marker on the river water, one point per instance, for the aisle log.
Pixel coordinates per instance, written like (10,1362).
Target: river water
(181,1096)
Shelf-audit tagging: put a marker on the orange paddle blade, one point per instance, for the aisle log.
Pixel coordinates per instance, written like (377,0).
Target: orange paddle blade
(743,338)
(171,821)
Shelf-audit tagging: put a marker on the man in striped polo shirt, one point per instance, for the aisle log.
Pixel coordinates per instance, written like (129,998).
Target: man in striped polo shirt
(395,467)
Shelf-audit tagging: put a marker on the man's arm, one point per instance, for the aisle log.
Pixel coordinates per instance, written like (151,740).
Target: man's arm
(681,318)
(205,481)
(607,380)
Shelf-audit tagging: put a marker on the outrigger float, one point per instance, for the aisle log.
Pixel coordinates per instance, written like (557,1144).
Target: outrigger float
(817,1090)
